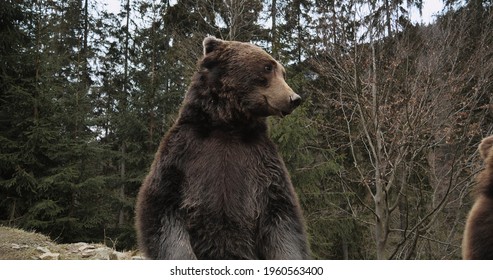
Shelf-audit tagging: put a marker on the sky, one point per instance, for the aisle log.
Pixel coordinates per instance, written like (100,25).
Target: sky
(430,8)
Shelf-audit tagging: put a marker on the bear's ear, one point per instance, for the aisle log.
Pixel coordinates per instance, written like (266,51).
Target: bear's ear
(211,43)
(486,147)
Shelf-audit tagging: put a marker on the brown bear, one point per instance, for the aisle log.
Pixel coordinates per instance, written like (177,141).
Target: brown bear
(477,243)
(217,188)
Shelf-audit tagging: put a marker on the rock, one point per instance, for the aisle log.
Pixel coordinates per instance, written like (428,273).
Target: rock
(85,247)
(74,250)
(43,249)
(115,255)
(49,256)
(103,254)
(88,253)
(17,246)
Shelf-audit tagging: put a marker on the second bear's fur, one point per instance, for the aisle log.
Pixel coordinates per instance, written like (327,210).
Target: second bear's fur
(478,235)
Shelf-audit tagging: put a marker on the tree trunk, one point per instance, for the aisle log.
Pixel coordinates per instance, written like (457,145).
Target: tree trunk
(275,47)
(121,216)
(388,19)
(380,198)
(345,249)
(123,148)
(152,124)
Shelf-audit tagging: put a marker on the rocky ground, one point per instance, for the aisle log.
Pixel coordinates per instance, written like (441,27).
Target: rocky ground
(16,244)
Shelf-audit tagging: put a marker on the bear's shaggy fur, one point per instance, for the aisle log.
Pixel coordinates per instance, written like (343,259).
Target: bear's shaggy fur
(217,188)
(477,243)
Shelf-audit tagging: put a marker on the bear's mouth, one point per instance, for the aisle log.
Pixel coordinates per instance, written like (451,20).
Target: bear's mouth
(274,111)
(278,112)
(282,114)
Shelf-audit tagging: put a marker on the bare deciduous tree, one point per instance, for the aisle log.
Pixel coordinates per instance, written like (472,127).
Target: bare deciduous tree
(412,122)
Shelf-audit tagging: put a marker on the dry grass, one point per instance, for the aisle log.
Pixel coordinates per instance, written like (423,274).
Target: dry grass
(16,244)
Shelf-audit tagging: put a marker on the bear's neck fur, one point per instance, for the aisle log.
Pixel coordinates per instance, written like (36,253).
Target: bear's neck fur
(208,115)
(208,111)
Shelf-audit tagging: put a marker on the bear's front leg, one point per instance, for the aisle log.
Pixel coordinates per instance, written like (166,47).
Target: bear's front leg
(160,227)
(282,231)
(173,241)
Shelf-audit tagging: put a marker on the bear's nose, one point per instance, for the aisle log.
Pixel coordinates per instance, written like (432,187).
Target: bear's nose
(295,100)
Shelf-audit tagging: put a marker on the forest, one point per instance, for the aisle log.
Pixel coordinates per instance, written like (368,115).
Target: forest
(382,152)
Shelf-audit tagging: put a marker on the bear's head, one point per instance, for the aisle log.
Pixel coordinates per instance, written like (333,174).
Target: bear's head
(485,147)
(238,80)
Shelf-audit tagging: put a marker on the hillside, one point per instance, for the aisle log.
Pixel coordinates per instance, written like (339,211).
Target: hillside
(16,244)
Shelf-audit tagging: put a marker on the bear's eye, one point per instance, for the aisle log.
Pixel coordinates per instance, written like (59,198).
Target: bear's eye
(268,68)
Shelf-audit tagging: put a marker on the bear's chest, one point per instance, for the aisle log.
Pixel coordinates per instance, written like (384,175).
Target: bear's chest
(226,178)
